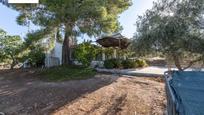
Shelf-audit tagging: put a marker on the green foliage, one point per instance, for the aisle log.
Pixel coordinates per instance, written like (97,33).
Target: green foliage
(75,17)
(13,51)
(126,64)
(10,48)
(63,73)
(108,52)
(112,63)
(109,64)
(86,52)
(172,27)
(141,63)
(36,56)
(120,52)
(59,37)
(129,64)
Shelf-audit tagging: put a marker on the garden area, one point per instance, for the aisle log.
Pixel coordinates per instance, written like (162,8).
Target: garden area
(77,60)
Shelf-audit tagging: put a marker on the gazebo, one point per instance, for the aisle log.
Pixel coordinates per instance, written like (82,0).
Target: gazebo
(114,41)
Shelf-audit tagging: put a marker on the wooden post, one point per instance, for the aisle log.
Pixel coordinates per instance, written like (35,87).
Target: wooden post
(124,57)
(103,55)
(114,53)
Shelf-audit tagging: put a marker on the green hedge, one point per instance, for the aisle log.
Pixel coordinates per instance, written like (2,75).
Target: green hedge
(112,63)
(129,64)
(126,64)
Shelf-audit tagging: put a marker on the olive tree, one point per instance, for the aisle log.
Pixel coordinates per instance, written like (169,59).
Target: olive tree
(173,27)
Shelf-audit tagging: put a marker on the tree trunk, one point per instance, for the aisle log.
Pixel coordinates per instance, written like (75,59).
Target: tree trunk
(66,50)
(13,64)
(177,62)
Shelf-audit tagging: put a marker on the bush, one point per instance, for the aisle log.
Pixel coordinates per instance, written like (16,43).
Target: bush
(129,64)
(126,64)
(112,63)
(36,57)
(108,64)
(85,53)
(141,63)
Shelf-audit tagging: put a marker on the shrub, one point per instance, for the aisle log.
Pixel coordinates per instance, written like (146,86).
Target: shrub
(112,63)
(141,63)
(108,64)
(85,53)
(36,57)
(129,64)
(117,63)
(126,64)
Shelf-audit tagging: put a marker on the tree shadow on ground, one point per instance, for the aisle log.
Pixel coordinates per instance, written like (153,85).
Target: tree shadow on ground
(21,92)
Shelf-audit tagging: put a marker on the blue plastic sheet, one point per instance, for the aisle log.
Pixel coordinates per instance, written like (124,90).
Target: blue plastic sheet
(188,88)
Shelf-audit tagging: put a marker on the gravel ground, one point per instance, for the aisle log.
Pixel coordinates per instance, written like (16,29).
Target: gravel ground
(23,92)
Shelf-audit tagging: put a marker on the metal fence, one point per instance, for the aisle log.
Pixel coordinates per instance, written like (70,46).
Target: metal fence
(171,100)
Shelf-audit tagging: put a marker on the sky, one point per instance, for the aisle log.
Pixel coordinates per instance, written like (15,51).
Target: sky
(127,19)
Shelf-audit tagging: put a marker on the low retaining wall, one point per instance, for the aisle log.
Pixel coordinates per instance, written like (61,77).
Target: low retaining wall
(132,72)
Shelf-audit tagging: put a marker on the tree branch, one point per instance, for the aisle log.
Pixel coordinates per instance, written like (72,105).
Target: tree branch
(192,62)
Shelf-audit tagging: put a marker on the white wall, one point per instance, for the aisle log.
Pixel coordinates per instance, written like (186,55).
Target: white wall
(54,57)
(58,51)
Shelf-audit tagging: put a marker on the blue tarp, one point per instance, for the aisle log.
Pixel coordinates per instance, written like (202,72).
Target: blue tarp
(188,88)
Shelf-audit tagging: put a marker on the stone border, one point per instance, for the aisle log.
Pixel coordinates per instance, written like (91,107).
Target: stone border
(128,72)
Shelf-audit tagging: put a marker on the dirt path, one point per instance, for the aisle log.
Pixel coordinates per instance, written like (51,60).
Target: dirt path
(24,93)
(126,96)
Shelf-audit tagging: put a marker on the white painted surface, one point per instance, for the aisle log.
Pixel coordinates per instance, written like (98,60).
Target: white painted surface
(114,53)
(54,57)
(103,56)
(57,51)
